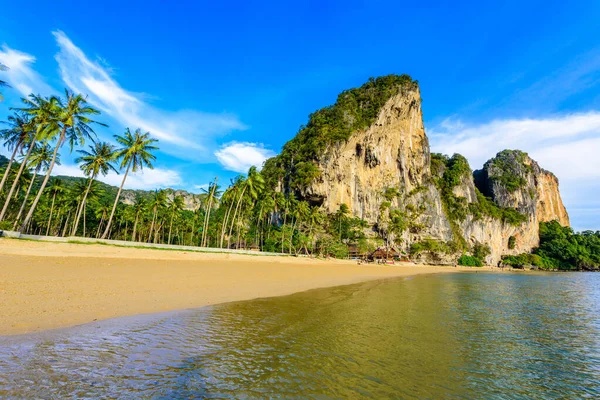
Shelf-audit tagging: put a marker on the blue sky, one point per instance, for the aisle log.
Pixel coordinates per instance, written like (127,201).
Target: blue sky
(224,85)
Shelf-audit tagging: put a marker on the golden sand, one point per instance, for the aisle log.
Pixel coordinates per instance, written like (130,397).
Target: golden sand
(53,285)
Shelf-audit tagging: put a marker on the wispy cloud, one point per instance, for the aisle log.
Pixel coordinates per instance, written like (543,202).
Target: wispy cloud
(184,133)
(20,75)
(559,143)
(567,145)
(147,179)
(239,157)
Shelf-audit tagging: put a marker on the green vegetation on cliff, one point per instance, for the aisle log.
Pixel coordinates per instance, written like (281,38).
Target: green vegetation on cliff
(450,173)
(355,109)
(508,168)
(561,248)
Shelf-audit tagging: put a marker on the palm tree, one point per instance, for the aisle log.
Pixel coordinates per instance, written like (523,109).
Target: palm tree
(213,191)
(71,115)
(229,196)
(315,217)
(175,206)
(101,214)
(16,136)
(158,201)
(283,204)
(42,112)
(97,161)
(23,135)
(56,188)
(3,83)
(40,159)
(340,216)
(254,184)
(139,206)
(135,154)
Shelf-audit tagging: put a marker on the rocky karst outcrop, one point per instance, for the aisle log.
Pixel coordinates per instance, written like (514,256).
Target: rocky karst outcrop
(430,205)
(191,201)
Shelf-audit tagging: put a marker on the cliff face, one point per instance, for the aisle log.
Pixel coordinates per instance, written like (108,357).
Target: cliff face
(392,152)
(388,166)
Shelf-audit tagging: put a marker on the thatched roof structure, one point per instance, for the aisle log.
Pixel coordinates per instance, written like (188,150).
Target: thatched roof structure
(384,254)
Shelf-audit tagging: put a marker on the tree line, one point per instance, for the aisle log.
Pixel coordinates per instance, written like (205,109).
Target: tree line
(250,213)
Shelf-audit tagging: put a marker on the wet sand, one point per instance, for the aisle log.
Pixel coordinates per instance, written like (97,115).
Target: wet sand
(56,285)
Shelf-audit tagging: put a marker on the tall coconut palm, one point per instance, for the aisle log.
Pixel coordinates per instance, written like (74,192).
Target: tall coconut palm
(230,197)
(175,206)
(3,83)
(254,184)
(26,136)
(56,188)
(135,154)
(71,116)
(96,161)
(212,192)
(42,126)
(16,137)
(39,160)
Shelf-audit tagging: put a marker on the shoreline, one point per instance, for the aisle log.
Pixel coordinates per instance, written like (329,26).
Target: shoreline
(46,286)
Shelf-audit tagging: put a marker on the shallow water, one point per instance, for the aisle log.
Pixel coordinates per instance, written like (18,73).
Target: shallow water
(469,335)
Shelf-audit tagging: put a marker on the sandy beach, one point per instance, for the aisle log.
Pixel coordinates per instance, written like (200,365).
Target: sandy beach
(55,285)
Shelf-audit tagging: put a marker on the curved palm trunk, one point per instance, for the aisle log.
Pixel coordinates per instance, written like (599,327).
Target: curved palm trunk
(154,212)
(283,229)
(207,219)
(39,195)
(237,207)
(292,234)
(81,208)
(25,199)
(51,211)
(135,227)
(84,211)
(171,225)
(224,226)
(100,225)
(16,181)
(64,232)
(10,162)
(112,213)
(192,232)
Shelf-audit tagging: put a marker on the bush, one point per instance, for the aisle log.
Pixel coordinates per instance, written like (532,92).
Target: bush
(330,247)
(469,261)
(481,251)
(512,242)
(526,260)
(432,246)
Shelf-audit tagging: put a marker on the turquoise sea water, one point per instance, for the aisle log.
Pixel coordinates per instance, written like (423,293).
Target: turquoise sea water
(464,335)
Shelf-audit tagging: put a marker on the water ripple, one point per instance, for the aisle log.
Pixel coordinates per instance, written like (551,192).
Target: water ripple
(451,336)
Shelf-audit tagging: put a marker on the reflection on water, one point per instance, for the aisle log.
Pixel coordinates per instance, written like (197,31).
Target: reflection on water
(444,336)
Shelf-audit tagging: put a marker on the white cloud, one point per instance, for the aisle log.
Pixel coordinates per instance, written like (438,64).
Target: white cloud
(147,179)
(567,145)
(239,157)
(20,75)
(184,133)
(561,143)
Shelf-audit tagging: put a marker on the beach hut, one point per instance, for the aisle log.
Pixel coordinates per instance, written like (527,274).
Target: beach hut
(354,252)
(384,254)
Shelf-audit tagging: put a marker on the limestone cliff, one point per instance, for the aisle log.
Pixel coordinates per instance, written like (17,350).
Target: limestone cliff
(433,207)
(392,152)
